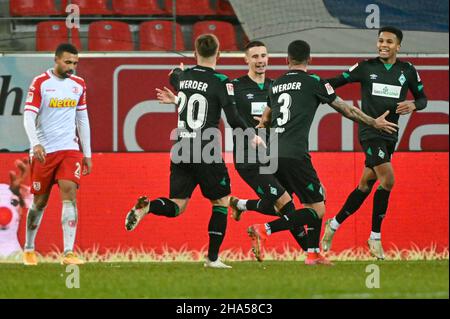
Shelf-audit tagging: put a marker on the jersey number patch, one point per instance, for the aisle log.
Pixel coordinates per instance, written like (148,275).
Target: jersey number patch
(286,99)
(195,101)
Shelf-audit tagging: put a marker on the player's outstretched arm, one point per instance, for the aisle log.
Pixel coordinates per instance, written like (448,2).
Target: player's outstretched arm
(355,114)
(166,96)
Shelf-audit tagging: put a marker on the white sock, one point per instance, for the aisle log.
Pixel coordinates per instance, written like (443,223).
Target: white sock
(69,219)
(34,218)
(242,204)
(375,236)
(268,230)
(334,224)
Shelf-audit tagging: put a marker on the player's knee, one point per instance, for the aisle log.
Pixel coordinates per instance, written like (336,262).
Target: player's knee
(366,187)
(387,182)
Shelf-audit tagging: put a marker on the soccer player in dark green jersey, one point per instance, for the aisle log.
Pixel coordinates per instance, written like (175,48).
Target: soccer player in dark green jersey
(251,92)
(293,101)
(196,157)
(385,82)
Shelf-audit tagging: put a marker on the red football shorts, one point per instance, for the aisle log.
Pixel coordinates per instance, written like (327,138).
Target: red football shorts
(58,165)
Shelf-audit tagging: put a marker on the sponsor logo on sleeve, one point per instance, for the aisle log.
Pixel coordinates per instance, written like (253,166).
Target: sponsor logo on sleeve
(30,97)
(329,88)
(353,67)
(230,88)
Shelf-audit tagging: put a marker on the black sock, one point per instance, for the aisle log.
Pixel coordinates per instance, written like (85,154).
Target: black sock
(380,204)
(352,204)
(300,236)
(313,237)
(164,207)
(216,230)
(263,206)
(293,220)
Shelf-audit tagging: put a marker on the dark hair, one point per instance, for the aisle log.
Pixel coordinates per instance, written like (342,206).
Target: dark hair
(65,47)
(299,52)
(398,33)
(206,45)
(253,44)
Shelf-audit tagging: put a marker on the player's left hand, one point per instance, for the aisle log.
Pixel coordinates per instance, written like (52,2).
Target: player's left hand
(258,141)
(405,107)
(166,96)
(87,166)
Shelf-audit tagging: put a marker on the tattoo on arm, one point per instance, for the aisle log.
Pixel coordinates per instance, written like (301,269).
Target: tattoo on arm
(351,112)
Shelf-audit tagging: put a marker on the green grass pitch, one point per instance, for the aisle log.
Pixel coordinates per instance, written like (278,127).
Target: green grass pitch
(247,279)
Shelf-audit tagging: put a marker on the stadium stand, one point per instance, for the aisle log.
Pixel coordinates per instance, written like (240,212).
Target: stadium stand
(27,8)
(224,8)
(191,8)
(109,36)
(93,7)
(223,30)
(51,33)
(157,35)
(137,7)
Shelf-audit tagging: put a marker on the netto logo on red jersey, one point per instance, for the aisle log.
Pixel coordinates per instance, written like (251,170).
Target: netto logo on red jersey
(60,103)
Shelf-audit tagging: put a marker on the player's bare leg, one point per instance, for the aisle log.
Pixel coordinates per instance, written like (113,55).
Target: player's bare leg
(352,204)
(69,220)
(216,230)
(160,206)
(34,217)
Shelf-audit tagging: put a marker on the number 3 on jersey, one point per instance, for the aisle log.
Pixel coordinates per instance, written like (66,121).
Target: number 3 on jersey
(285,111)
(196,101)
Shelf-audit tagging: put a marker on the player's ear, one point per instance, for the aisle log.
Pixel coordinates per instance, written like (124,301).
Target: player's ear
(309,61)
(218,55)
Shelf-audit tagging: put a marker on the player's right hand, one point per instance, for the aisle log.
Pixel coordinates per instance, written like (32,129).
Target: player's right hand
(386,126)
(166,96)
(39,153)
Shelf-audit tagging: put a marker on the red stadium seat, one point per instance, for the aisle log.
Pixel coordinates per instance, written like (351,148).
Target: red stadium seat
(224,8)
(50,34)
(92,7)
(109,36)
(137,7)
(18,8)
(191,7)
(223,30)
(157,36)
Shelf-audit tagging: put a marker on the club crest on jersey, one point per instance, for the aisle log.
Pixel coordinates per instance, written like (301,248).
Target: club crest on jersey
(402,79)
(373,76)
(37,186)
(60,103)
(76,90)
(230,88)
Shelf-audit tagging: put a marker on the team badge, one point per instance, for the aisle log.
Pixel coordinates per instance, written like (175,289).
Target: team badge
(381,154)
(402,79)
(37,186)
(75,90)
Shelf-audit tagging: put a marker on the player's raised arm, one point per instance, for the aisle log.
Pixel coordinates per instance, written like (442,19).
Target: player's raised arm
(355,114)
(353,74)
